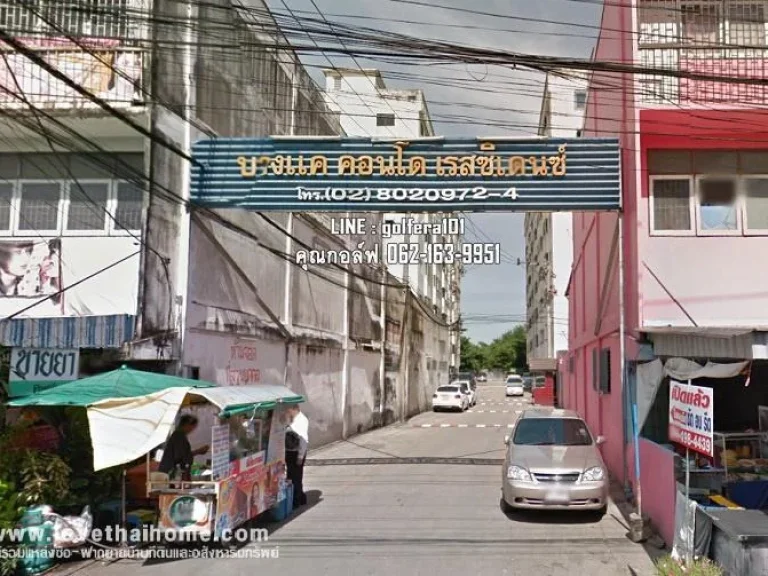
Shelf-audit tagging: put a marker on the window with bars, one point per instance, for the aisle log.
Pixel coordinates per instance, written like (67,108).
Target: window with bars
(671,204)
(6,197)
(746,24)
(88,203)
(97,18)
(130,203)
(700,22)
(39,206)
(708,192)
(70,208)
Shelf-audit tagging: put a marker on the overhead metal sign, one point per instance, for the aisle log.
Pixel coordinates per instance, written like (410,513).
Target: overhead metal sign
(424,175)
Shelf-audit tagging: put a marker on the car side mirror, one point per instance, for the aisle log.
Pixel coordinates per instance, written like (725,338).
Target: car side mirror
(506,439)
(600,440)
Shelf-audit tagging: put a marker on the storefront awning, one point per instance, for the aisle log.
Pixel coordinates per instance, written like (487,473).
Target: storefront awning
(125,429)
(735,343)
(69,332)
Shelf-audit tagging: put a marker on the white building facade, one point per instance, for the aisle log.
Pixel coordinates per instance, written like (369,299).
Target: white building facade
(548,235)
(367,107)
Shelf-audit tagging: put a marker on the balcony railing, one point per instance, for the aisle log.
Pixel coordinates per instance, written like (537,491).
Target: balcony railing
(719,38)
(92,42)
(105,69)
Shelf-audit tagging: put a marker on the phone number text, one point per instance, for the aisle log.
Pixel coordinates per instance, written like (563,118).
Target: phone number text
(478,193)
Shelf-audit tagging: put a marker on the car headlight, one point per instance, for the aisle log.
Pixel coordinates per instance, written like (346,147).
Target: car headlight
(518,473)
(593,474)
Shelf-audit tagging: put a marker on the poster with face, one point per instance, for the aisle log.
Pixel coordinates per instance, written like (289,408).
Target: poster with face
(276,448)
(31,269)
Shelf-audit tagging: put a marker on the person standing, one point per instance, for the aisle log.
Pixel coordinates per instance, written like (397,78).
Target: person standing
(296,446)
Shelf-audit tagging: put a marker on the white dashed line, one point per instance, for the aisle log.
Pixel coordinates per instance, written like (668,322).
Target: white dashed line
(426,425)
(497,425)
(463,425)
(479,425)
(510,425)
(445,425)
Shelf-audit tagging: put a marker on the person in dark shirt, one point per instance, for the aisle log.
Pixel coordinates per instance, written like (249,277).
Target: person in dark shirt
(177,450)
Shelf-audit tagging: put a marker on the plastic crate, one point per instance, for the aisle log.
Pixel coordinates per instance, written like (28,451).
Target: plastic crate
(284,508)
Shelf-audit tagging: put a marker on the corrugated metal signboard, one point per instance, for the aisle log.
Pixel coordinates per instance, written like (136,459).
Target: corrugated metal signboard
(451,174)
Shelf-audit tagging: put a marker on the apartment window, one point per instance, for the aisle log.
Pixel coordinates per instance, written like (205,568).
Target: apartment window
(39,206)
(6,197)
(87,210)
(746,24)
(718,210)
(337,82)
(671,204)
(385,119)
(756,204)
(580,99)
(130,203)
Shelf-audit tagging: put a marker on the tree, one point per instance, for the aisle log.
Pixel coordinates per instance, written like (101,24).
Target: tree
(506,352)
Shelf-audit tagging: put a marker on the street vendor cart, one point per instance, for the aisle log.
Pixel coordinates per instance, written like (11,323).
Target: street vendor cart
(245,475)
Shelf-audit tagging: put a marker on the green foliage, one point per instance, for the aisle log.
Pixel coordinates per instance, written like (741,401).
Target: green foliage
(44,478)
(507,352)
(667,566)
(10,514)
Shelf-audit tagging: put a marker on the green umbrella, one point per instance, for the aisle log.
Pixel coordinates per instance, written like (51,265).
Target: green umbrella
(121,383)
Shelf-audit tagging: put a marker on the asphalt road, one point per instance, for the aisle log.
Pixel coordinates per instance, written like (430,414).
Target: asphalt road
(423,498)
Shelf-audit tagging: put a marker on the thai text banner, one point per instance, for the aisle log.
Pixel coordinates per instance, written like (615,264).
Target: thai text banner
(691,417)
(425,175)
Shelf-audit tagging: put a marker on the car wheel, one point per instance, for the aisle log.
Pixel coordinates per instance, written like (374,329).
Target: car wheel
(601,512)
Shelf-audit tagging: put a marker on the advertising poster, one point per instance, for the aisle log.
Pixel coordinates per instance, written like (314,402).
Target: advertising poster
(185,513)
(276,448)
(220,451)
(249,493)
(691,420)
(32,269)
(225,507)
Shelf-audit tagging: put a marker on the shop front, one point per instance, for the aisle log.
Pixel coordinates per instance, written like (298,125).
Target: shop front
(704,426)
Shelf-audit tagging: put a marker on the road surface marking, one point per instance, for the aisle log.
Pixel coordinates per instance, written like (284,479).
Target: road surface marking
(510,425)
(426,425)
(497,425)
(445,425)
(463,425)
(479,425)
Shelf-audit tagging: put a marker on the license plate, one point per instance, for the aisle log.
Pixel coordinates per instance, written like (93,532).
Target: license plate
(556,497)
(445,397)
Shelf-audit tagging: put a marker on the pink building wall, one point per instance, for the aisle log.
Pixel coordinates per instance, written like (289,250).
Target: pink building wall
(716,279)
(657,479)
(593,291)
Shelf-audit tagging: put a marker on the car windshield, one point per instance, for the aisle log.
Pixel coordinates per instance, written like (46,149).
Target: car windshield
(552,432)
(448,389)
(527,380)
(513,381)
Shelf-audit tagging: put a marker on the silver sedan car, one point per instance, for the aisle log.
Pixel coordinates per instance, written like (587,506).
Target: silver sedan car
(553,462)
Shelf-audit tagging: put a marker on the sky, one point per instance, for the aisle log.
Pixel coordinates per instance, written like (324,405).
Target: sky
(478,101)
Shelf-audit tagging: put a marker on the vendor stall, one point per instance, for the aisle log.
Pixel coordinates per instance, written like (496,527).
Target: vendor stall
(245,475)
(130,413)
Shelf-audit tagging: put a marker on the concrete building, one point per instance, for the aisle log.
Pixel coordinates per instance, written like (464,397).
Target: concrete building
(676,274)
(368,108)
(103,253)
(548,235)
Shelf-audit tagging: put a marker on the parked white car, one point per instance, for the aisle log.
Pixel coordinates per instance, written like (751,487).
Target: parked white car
(514,386)
(466,388)
(449,398)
